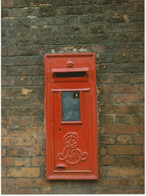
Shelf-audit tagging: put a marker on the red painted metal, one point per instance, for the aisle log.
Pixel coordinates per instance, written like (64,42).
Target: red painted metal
(71,147)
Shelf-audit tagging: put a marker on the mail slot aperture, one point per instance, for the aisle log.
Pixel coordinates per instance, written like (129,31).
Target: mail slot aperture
(71,116)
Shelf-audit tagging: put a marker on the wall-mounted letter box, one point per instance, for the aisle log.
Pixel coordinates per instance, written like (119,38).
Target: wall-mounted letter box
(71,116)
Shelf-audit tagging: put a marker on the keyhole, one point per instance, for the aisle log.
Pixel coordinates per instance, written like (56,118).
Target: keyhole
(59,129)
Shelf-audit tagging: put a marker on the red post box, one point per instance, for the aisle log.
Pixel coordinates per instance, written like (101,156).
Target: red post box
(71,116)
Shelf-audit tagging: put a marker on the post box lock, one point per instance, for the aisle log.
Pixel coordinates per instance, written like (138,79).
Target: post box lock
(71,116)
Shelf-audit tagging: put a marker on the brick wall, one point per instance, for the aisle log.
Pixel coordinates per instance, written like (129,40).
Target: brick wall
(113,29)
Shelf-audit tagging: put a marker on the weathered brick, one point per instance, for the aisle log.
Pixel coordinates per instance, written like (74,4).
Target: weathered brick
(126,191)
(23,141)
(106,99)
(23,151)
(125,160)
(141,108)
(15,131)
(46,190)
(23,172)
(7,3)
(107,119)
(41,183)
(107,139)
(125,139)
(139,181)
(136,78)
(125,171)
(139,160)
(138,139)
(24,182)
(122,98)
(38,161)
(120,109)
(7,161)
(102,150)
(8,141)
(106,160)
(120,88)
(123,150)
(138,98)
(3,171)
(3,152)
(9,183)
(22,162)
(123,182)
(23,190)
(122,129)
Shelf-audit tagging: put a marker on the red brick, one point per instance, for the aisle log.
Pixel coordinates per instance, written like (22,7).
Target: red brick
(101,130)
(125,160)
(106,160)
(123,182)
(8,141)
(107,139)
(123,119)
(120,88)
(141,88)
(138,139)
(3,131)
(137,98)
(3,152)
(22,162)
(7,161)
(139,160)
(120,109)
(99,190)
(41,131)
(24,182)
(3,170)
(123,150)
(41,183)
(125,171)
(23,190)
(141,108)
(125,139)
(20,131)
(139,181)
(7,3)
(38,161)
(23,141)
(23,151)
(126,191)
(122,129)
(107,182)
(136,78)
(46,190)
(122,98)
(9,183)
(102,150)
(142,149)
(23,172)
(22,121)
(102,171)
(106,119)
(38,141)
(7,121)
(3,92)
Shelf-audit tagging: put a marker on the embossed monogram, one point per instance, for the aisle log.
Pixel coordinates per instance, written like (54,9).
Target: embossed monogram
(71,154)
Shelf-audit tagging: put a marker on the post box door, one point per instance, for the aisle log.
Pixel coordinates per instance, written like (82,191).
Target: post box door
(71,130)
(71,116)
